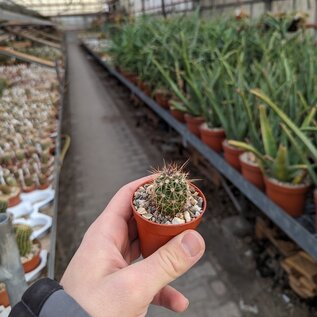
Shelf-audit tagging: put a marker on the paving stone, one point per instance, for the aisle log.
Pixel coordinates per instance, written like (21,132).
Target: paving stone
(219,288)
(228,310)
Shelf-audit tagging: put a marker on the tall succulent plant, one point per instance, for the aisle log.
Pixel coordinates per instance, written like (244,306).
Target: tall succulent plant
(23,238)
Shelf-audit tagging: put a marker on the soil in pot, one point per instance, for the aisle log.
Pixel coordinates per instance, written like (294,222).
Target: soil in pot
(32,259)
(193,123)
(156,228)
(251,170)
(178,115)
(231,155)
(212,137)
(4,299)
(289,197)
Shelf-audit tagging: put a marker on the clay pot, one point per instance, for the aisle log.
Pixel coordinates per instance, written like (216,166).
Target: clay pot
(29,189)
(193,123)
(44,186)
(162,98)
(251,171)
(212,137)
(290,198)
(153,235)
(4,298)
(31,264)
(231,155)
(178,115)
(144,87)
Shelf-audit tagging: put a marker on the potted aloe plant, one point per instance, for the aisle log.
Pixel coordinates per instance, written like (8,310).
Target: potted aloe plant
(166,206)
(293,132)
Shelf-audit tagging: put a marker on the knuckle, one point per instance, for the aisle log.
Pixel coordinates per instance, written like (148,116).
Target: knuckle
(170,263)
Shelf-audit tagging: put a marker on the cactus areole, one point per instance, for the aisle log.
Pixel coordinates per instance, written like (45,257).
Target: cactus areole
(165,207)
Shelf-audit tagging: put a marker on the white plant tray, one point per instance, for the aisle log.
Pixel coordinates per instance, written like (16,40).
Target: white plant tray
(36,220)
(24,208)
(5,311)
(29,277)
(32,202)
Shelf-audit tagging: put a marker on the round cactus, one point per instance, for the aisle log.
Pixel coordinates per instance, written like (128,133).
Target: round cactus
(3,206)
(23,237)
(170,190)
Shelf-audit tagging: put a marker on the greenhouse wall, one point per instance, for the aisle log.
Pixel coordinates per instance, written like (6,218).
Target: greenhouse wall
(215,7)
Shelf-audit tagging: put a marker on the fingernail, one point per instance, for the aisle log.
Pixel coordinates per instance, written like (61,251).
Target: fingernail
(191,243)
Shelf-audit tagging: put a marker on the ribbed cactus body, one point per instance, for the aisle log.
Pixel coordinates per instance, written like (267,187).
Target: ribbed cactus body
(3,206)
(23,237)
(170,190)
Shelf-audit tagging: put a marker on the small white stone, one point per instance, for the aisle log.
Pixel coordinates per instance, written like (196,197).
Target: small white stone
(177,221)
(142,211)
(147,216)
(193,201)
(197,214)
(195,209)
(187,216)
(149,189)
(167,222)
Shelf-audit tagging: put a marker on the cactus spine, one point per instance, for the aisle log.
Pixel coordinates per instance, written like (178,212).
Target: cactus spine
(3,206)
(170,190)
(23,237)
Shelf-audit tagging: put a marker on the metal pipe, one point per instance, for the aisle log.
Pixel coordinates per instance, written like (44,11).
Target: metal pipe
(11,271)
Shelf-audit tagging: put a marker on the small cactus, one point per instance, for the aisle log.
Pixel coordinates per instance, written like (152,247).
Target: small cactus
(28,181)
(5,189)
(23,237)
(170,190)
(3,206)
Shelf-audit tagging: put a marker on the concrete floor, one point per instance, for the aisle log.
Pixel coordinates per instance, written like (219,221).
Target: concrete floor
(105,154)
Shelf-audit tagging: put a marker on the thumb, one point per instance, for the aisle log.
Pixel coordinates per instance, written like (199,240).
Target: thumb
(169,262)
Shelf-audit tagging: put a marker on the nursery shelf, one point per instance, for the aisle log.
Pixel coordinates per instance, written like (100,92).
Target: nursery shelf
(289,225)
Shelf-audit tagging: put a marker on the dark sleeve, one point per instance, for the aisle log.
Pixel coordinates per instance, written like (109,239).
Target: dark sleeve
(46,298)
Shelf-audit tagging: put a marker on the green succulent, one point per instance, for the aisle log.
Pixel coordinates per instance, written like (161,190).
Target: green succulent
(170,190)
(23,237)
(3,206)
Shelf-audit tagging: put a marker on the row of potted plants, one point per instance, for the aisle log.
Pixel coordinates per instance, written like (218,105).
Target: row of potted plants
(217,75)
(28,125)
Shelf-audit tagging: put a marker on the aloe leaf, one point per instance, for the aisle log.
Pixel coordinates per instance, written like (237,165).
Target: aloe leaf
(290,124)
(268,139)
(247,147)
(280,167)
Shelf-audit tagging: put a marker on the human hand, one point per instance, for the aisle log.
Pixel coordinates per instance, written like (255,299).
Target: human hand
(101,278)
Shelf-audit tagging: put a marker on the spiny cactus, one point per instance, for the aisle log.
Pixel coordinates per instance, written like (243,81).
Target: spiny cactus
(23,237)
(3,206)
(170,190)
(5,189)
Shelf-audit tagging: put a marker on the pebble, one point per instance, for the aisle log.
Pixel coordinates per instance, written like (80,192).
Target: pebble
(195,209)
(187,216)
(177,221)
(197,214)
(147,216)
(193,201)
(200,202)
(149,189)
(167,222)
(142,211)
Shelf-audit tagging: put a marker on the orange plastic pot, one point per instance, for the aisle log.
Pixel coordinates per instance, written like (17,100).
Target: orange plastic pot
(162,99)
(15,200)
(154,235)
(29,189)
(44,186)
(4,298)
(212,137)
(31,264)
(178,115)
(290,198)
(193,123)
(231,155)
(252,172)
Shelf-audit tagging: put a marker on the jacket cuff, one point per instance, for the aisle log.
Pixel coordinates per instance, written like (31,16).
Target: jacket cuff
(61,304)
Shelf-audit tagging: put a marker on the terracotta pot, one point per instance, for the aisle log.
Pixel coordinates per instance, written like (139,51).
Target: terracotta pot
(231,155)
(193,123)
(153,235)
(290,198)
(178,115)
(42,187)
(29,189)
(212,137)
(251,171)
(162,99)
(15,200)
(31,264)
(4,298)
